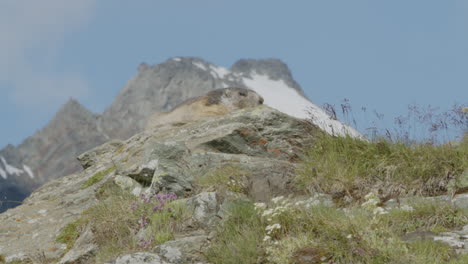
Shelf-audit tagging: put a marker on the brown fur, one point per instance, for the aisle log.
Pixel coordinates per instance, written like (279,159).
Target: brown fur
(215,103)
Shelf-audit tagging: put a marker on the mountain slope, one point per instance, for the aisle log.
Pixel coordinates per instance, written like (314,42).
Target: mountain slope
(50,153)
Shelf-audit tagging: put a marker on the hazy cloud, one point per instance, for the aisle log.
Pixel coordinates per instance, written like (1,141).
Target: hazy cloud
(31,40)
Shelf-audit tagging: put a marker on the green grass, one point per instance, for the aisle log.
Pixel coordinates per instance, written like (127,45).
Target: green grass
(238,237)
(358,236)
(70,233)
(347,166)
(351,167)
(26,261)
(434,216)
(97,177)
(227,177)
(115,225)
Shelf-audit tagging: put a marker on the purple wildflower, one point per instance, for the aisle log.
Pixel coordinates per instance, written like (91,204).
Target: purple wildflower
(134,206)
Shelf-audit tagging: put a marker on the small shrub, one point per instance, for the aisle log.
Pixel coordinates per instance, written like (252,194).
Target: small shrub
(97,177)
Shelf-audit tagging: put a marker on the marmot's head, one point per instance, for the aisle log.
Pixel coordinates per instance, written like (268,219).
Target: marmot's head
(234,98)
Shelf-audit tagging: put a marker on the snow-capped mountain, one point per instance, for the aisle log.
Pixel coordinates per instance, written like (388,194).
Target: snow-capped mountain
(272,79)
(50,153)
(7,169)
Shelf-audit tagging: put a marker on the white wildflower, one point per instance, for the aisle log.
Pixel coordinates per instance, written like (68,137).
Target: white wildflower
(259,206)
(407,208)
(314,202)
(273,227)
(380,211)
(267,212)
(371,195)
(280,209)
(349,236)
(266,238)
(277,199)
(300,203)
(371,203)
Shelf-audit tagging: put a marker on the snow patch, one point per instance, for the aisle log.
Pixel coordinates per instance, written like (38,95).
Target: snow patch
(279,95)
(100,130)
(28,171)
(219,72)
(3,174)
(176,59)
(10,169)
(199,65)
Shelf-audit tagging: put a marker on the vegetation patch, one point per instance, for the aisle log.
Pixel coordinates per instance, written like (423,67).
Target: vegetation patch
(97,177)
(299,230)
(108,189)
(344,166)
(422,214)
(123,223)
(239,237)
(227,177)
(70,233)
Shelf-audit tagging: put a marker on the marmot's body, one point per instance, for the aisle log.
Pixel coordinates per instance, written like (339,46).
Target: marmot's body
(215,103)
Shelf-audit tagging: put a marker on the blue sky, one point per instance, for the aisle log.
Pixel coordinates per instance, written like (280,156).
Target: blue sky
(383,55)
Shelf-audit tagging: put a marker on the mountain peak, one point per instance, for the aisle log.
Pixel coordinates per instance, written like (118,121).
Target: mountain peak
(275,69)
(72,103)
(73,109)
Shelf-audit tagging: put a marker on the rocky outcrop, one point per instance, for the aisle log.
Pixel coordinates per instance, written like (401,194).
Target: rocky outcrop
(262,141)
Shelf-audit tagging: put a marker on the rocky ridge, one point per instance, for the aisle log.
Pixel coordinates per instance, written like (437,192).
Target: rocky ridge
(50,152)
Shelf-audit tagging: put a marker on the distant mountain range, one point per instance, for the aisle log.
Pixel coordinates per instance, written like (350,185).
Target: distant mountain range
(51,152)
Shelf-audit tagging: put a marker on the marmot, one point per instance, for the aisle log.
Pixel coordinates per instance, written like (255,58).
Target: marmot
(215,103)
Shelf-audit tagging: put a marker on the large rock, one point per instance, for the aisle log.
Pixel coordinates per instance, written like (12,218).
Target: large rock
(262,141)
